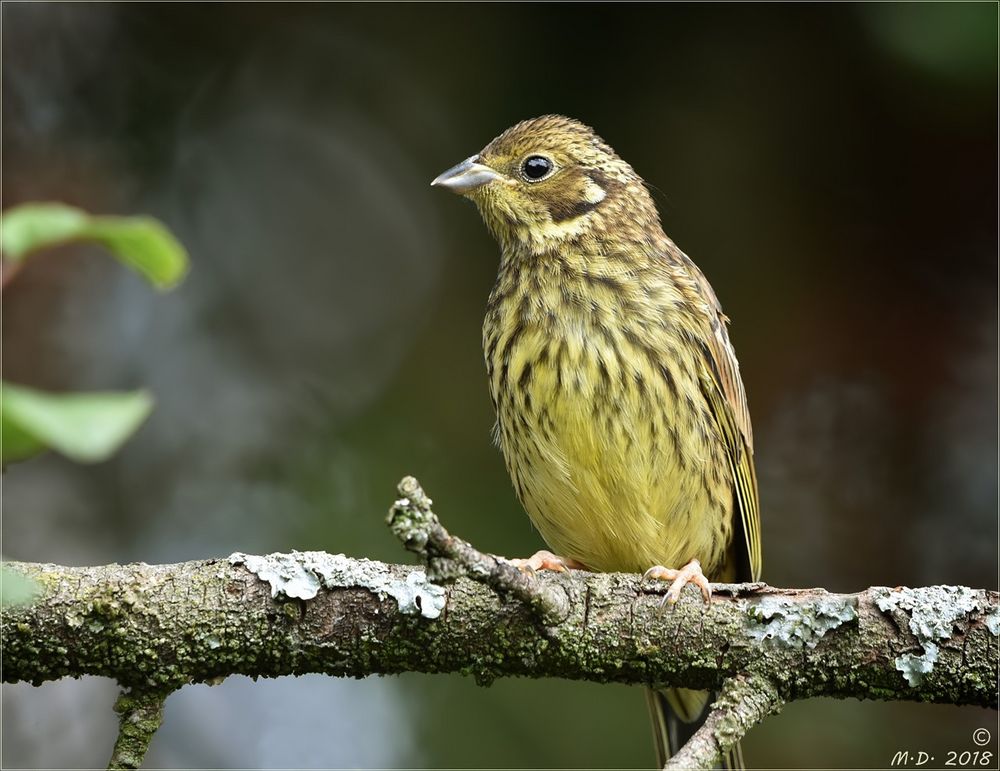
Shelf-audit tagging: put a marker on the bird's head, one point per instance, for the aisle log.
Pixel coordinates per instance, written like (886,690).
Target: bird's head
(550,180)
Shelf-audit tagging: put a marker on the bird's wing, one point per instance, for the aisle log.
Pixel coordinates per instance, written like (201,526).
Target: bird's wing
(727,399)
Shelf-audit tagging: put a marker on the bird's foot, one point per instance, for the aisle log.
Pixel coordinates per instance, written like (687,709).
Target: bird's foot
(546,560)
(689,574)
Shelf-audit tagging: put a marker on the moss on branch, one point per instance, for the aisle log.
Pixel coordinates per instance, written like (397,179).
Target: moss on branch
(156,628)
(164,626)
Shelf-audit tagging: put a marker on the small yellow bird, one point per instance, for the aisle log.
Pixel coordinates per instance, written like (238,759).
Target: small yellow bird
(621,414)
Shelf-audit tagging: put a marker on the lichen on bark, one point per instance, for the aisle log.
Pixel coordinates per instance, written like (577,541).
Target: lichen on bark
(156,628)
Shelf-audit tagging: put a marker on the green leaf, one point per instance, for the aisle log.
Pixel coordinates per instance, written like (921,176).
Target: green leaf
(142,243)
(16,589)
(17,443)
(33,226)
(86,427)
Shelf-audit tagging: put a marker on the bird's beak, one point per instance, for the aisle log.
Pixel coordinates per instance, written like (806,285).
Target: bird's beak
(467,176)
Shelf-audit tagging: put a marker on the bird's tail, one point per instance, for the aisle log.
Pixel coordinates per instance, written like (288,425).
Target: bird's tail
(676,714)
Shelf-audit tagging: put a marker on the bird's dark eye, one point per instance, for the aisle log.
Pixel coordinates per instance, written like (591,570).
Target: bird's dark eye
(536,167)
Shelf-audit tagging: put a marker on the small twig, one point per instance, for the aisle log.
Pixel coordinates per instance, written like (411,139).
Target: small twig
(141,713)
(449,557)
(744,701)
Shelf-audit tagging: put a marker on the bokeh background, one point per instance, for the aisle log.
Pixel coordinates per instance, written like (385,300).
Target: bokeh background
(832,168)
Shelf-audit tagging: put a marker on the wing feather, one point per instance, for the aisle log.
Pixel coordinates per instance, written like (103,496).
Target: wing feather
(723,389)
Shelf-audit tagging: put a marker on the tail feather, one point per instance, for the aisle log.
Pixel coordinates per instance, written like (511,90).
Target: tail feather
(676,714)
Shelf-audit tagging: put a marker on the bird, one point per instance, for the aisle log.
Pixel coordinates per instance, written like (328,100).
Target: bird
(621,414)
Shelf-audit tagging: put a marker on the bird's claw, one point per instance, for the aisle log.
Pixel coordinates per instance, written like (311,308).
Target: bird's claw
(689,574)
(546,560)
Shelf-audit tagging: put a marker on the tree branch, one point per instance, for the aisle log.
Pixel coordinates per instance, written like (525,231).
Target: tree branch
(744,701)
(155,628)
(141,713)
(448,557)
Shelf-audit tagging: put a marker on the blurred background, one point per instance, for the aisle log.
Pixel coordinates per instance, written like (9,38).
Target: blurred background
(831,168)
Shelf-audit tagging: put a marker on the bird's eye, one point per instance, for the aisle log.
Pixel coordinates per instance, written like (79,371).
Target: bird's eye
(536,167)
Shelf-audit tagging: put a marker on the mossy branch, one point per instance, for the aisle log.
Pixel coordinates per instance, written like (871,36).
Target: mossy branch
(744,701)
(156,628)
(140,713)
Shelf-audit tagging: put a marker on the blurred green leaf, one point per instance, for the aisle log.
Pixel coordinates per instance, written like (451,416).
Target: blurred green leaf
(86,427)
(142,243)
(16,589)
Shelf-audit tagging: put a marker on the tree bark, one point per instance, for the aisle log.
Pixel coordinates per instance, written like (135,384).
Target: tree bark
(163,626)
(156,628)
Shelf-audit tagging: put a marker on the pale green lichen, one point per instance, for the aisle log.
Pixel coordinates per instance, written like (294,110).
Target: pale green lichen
(410,517)
(915,667)
(993,622)
(932,612)
(300,575)
(796,624)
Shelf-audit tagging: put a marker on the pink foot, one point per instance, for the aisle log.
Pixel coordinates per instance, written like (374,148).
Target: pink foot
(689,574)
(546,560)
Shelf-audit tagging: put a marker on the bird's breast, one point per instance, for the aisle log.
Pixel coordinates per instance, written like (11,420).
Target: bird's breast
(602,423)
